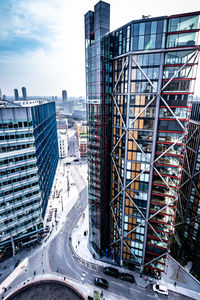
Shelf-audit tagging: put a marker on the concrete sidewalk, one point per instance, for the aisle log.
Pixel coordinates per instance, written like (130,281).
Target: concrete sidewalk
(179,280)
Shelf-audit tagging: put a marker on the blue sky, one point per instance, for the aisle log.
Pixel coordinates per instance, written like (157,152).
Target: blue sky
(42,41)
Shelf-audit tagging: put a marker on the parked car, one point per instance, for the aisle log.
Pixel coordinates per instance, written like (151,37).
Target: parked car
(160,289)
(101,282)
(127,277)
(111,272)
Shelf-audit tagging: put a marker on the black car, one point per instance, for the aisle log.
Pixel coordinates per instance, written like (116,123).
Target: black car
(127,277)
(101,282)
(111,271)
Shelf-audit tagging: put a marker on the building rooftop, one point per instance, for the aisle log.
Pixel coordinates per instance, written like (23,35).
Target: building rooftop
(46,289)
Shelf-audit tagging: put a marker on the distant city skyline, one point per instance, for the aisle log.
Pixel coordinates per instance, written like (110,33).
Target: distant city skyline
(42,45)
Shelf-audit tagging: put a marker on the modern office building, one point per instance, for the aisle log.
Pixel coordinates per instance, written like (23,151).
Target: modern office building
(64,96)
(16,94)
(24,93)
(187,226)
(139,80)
(28,161)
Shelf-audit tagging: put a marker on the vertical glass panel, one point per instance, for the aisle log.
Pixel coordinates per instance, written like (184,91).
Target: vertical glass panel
(147,42)
(173,24)
(135,43)
(145,59)
(141,42)
(141,30)
(153,41)
(160,26)
(140,57)
(151,59)
(153,27)
(135,29)
(165,26)
(148,28)
(159,40)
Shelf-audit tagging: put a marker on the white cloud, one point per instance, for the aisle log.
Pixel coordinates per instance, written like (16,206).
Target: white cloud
(59,24)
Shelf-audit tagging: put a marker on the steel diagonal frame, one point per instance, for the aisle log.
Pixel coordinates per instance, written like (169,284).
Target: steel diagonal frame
(151,164)
(116,170)
(142,216)
(158,93)
(146,220)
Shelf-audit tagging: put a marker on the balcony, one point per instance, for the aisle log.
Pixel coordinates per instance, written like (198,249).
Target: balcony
(163,228)
(163,219)
(168,161)
(162,235)
(157,266)
(167,211)
(162,191)
(157,243)
(172,182)
(165,201)
(176,150)
(170,139)
(168,171)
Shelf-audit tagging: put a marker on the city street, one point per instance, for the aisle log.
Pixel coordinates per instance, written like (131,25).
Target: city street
(63,261)
(56,256)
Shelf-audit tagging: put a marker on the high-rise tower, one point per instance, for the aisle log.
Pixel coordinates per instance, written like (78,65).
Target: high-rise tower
(24,93)
(64,96)
(16,94)
(139,80)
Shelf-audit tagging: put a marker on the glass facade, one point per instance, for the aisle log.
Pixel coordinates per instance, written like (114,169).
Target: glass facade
(188,222)
(151,86)
(46,144)
(98,112)
(22,196)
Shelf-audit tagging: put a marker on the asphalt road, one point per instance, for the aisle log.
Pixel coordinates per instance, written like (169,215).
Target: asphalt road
(63,261)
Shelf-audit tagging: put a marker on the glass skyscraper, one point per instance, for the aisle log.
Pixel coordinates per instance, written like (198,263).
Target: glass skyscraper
(28,161)
(139,80)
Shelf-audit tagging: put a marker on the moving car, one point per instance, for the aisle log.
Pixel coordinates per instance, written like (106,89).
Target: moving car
(127,277)
(101,282)
(160,289)
(111,272)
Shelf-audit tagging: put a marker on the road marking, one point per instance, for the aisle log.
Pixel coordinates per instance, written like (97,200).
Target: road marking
(134,290)
(120,284)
